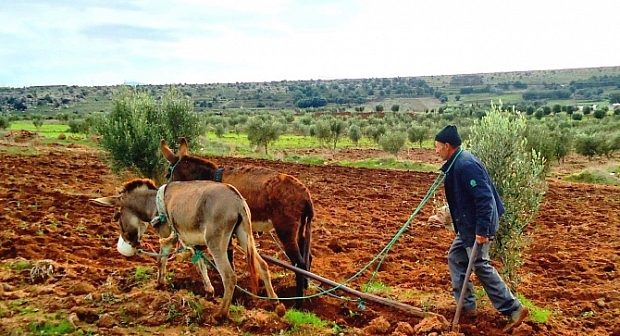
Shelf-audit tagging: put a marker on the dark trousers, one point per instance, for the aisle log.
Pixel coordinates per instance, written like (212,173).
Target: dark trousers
(496,289)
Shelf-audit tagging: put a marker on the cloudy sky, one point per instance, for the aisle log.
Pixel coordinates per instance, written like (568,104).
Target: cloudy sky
(106,42)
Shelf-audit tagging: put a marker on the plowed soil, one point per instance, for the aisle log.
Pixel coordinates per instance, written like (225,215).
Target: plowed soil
(58,256)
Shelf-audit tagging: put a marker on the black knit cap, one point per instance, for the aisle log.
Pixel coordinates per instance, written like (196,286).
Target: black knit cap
(450,135)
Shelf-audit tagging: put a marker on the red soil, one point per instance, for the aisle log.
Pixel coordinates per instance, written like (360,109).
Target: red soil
(571,266)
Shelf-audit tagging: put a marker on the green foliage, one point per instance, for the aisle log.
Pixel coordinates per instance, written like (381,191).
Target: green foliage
(37,120)
(50,328)
(81,125)
(262,131)
(577,116)
(552,145)
(179,118)
(376,287)
(589,145)
(594,177)
(417,134)
(336,129)
(599,114)
(389,163)
(298,319)
(537,314)
(131,133)
(142,274)
(4,122)
(518,173)
(393,142)
(355,134)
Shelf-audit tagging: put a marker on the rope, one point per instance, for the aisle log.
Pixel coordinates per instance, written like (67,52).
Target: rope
(381,255)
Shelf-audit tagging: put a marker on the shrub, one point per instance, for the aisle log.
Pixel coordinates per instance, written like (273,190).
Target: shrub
(417,134)
(4,122)
(262,132)
(355,134)
(577,116)
(599,114)
(37,121)
(131,133)
(589,145)
(393,142)
(518,173)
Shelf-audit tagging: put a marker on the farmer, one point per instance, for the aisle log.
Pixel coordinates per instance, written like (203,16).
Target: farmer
(475,208)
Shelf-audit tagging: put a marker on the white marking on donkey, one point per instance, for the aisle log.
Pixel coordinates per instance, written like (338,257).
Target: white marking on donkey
(199,213)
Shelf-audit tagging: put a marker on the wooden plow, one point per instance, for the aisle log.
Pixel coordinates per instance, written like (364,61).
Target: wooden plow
(370,297)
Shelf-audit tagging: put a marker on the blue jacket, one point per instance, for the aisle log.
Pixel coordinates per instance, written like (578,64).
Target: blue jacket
(474,204)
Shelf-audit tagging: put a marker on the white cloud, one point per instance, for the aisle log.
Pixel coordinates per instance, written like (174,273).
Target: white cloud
(107,42)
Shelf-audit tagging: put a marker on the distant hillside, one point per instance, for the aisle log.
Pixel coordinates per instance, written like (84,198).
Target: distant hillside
(524,88)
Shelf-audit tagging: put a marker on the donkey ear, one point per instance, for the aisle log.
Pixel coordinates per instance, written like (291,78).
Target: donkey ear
(109,201)
(168,154)
(183,151)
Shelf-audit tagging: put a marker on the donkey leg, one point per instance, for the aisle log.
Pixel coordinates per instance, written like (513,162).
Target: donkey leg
(287,232)
(246,241)
(164,252)
(229,279)
(202,269)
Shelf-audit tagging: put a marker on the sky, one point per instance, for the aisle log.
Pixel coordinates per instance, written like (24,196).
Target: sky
(110,42)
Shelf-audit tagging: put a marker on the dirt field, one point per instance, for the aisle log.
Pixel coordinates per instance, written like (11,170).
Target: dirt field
(58,256)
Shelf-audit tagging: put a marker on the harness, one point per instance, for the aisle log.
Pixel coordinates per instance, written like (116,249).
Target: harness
(217,175)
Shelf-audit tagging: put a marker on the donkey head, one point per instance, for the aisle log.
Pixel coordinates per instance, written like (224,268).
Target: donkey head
(131,211)
(185,167)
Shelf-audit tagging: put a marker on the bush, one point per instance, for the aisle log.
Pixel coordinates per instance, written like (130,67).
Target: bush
(4,122)
(131,133)
(589,145)
(518,173)
(417,134)
(393,142)
(355,134)
(262,132)
(599,114)
(577,116)
(37,121)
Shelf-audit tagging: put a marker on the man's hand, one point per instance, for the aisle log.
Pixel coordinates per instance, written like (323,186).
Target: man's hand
(481,239)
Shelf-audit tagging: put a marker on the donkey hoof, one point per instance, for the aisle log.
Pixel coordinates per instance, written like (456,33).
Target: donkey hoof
(209,290)
(220,317)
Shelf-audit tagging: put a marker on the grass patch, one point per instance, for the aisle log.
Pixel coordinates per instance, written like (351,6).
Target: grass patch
(595,177)
(537,314)
(51,328)
(389,163)
(142,274)
(20,265)
(311,160)
(376,287)
(299,319)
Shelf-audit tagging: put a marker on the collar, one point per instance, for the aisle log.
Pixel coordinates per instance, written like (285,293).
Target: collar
(218,174)
(162,215)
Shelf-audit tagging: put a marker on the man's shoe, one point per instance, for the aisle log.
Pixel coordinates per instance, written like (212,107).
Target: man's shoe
(516,318)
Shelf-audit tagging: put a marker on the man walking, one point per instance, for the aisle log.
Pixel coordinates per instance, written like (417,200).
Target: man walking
(475,208)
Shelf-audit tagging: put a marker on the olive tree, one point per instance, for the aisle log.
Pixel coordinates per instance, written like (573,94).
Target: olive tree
(263,131)
(498,139)
(393,142)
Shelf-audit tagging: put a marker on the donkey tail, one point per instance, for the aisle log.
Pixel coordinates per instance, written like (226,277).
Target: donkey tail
(306,221)
(251,253)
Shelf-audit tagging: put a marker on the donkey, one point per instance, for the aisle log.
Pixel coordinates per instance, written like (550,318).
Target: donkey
(198,213)
(276,200)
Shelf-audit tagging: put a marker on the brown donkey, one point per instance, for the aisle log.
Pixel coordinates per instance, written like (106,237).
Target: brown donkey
(276,200)
(198,213)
